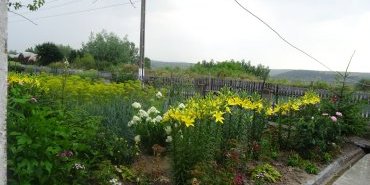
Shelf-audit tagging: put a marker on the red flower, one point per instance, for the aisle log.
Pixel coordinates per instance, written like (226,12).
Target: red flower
(238,179)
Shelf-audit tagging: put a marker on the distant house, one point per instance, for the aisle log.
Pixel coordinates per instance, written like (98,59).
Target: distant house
(13,56)
(25,57)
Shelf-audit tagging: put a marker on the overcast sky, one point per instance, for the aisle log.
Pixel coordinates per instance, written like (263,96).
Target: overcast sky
(195,30)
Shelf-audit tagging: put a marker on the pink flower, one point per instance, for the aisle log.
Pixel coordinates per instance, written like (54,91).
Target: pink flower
(339,114)
(333,118)
(65,153)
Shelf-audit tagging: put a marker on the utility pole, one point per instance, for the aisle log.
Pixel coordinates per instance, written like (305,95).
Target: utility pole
(142,42)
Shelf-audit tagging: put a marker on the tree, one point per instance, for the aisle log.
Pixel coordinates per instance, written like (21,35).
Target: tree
(74,54)
(47,53)
(30,50)
(108,47)
(86,61)
(4,5)
(65,50)
(364,85)
(147,63)
(14,52)
(3,89)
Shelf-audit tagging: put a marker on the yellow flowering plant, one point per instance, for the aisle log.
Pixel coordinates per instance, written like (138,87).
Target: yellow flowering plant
(224,117)
(78,89)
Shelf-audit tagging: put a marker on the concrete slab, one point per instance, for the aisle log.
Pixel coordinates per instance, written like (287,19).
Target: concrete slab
(358,174)
(361,142)
(349,156)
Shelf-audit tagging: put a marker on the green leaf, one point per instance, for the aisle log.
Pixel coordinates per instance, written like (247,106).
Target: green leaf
(15,133)
(53,150)
(23,140)
(48,166)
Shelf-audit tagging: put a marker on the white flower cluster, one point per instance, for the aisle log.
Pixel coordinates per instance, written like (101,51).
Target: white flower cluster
(78,166)
(159,95)
(66,63)
(169,139)
(135,120)
(115,181)
(157,119)
(143,114)
(181,106)
(153,110)
(137,139)
(150,116)
(136,105)
(168,130)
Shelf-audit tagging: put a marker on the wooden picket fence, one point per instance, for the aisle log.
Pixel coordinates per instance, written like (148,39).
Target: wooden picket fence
(190,86)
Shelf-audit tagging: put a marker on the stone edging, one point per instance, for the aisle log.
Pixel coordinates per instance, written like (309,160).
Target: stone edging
(336,167)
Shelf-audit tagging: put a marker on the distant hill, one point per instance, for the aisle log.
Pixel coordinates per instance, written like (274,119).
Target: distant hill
(275,72)
(286,74)
(310,75)
(160,64)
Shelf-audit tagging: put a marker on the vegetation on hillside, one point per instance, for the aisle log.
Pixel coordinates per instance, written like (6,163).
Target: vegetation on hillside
(219,69)
(230,68)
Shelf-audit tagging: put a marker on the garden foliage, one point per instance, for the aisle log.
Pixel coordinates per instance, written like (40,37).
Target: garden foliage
(72,130)
(51,143)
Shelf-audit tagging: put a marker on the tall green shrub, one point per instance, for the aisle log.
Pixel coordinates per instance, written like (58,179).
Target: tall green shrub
(47,53)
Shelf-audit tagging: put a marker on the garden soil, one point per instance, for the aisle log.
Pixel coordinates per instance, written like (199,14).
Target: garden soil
(158,169)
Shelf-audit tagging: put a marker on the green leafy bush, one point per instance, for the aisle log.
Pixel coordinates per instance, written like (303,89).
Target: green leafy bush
(15,66)
(311,168)
(296,161)
(90,74)
(87,62)
(56,65)
(110,47)
(231,68)
(52,145)
(266,173)
(209,172)
(124,72)
(44,143)
(47,53)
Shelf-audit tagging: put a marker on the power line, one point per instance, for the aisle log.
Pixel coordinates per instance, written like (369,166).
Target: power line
(23,17)
(60,5)
(290,44)
(76,12)
(52,7)
(283,39)
(51,1)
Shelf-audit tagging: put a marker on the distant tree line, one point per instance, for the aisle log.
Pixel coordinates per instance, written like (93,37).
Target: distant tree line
(231,68)
(103,51)
(364,85)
